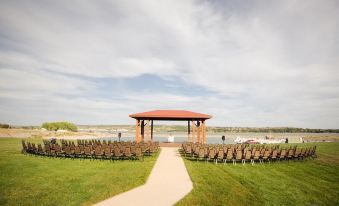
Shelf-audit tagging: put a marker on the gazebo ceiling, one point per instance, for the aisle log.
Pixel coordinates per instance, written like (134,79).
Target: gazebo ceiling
(170,115)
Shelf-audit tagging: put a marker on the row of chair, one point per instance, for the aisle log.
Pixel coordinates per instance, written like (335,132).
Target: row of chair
(245,153)
(94,149)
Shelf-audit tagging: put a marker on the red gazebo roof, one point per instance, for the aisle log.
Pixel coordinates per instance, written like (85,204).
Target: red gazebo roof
(170,115)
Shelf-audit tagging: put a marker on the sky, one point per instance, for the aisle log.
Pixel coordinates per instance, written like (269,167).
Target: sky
(246,63)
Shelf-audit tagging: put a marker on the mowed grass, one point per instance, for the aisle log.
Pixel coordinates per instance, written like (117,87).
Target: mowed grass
(309,182)
(33,180)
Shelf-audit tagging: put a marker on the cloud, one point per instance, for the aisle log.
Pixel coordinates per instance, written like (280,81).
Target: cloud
(247,63)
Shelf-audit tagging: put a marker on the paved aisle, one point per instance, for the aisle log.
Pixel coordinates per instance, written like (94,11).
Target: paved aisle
(168,183)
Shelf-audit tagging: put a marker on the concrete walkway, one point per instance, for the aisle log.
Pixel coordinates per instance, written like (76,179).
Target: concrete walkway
(168,183)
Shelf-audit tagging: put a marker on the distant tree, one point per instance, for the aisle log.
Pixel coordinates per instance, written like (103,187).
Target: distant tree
(6,126)
(54,126)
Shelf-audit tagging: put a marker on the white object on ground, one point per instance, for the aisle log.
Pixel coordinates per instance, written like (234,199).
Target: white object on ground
(167,184)
(170,138)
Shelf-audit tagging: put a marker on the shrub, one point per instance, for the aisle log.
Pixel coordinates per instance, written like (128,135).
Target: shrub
(54,126)
(4,126)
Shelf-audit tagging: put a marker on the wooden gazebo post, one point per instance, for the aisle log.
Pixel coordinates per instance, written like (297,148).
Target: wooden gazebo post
(199,131)
(152,129)
(203,132)
(193,131)
(148,130)
(137,123)
(142,130)
(188,130)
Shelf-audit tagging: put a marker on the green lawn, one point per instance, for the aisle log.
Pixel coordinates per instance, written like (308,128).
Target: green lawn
(310,182)
(32,180)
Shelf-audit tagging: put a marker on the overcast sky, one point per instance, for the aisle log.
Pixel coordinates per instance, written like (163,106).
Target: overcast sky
(247,63)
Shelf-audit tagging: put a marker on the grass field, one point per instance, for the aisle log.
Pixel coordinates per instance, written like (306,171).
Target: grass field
(310,182)
(32,180)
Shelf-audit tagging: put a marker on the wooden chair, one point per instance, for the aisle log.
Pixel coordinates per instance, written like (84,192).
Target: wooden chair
(138,153)
(220,156)
(52,150)
(82,149)
(77,151)
(290,154)
(117,153)
(206,152)
(87,152)
(313,153)
(151,149)
(188,150)
(274,155)
(196,151)
(72,147)
(297,153)
(58,151)
(108,153)
(211,155)
(229,155)
(24,147)
(34,149)
(247,157)
(238,156)
(98,152)
(68,152)
(201,154)
(267,156)
(40,151)
(257,157)
(127,153)
(282,154)
(133,150)
(253,152)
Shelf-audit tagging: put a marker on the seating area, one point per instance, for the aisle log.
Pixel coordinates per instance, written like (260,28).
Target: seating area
(246,153)
(92,149)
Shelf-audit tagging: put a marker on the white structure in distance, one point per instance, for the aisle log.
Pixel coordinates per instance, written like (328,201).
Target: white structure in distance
(170,138)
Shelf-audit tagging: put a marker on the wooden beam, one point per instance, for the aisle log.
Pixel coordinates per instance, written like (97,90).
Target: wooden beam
(142,129)
(188,130)
(199,131)
(137,131)
(148,130)
(152,129)
(203,132)
(193,131)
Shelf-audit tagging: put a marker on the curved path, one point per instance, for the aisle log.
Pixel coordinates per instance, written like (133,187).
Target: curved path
(168,183)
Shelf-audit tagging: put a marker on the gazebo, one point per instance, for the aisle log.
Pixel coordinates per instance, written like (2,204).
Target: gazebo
(196,134)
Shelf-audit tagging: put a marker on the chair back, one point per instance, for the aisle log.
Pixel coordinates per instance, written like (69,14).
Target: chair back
(229,155)
(238,155)
(221,154)
(211,154)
